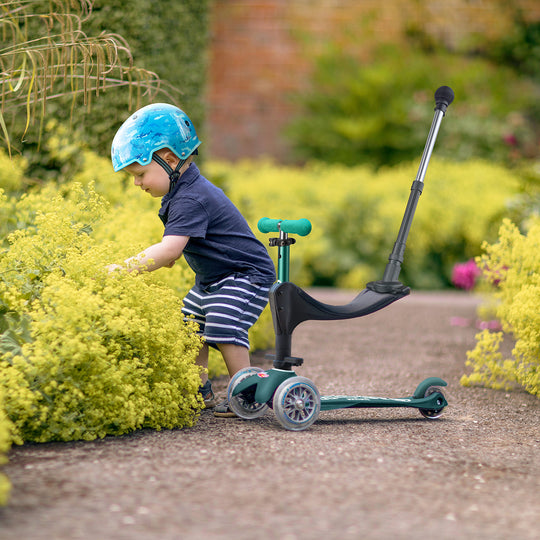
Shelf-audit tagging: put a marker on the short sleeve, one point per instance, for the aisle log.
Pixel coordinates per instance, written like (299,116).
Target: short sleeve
(186,217)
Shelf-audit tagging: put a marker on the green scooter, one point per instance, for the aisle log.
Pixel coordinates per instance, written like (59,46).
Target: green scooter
(295,400)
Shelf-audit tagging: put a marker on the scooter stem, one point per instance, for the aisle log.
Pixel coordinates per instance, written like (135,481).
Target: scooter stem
(283,257)
(443,97)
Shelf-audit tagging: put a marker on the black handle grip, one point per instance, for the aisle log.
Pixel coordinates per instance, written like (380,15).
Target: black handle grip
(444,95)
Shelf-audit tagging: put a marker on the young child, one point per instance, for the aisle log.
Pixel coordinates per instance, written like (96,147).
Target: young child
(233,271)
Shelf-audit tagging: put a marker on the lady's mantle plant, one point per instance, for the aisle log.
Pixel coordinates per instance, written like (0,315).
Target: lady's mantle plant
(513,266)
(86,354)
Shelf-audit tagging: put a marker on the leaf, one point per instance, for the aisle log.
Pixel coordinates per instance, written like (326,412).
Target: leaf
(9,343)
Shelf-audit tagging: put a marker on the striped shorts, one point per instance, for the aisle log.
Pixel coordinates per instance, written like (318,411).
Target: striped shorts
(227,309)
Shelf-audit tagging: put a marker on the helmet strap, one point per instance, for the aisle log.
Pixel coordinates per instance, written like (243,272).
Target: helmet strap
(174,174)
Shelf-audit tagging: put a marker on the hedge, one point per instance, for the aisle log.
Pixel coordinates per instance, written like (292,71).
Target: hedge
(168,38)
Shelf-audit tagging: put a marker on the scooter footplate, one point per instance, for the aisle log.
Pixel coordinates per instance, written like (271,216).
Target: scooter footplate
(358,402)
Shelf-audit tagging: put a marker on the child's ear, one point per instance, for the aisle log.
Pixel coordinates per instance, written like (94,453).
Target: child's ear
(170,157)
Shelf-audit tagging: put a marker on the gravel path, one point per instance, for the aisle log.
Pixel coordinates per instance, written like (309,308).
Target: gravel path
(355,474)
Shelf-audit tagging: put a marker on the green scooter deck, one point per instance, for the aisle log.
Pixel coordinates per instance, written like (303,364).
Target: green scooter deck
(433,401)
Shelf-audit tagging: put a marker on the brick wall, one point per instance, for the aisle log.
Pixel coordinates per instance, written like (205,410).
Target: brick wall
(260,53)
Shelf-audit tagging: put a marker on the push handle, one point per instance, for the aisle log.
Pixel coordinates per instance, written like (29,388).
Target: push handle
(301,226)
(444,95)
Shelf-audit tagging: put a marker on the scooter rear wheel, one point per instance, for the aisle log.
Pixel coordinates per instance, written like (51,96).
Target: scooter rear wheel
(244,404)
(432,414)
(297,403)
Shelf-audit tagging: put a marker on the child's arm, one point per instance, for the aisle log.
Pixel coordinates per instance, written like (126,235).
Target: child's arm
(163,254)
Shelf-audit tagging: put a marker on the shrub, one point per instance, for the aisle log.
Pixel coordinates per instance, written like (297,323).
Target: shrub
(57,308)
(377,112)
(11,172)
(513,265)
(85,353)
(177,53)
(5,443)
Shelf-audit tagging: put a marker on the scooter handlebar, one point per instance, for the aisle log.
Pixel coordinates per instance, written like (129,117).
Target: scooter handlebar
(302,226)
(444,95)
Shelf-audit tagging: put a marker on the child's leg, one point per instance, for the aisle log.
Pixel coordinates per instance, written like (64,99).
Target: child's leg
(202,360)
(236,357)
(205,389)
(225,311)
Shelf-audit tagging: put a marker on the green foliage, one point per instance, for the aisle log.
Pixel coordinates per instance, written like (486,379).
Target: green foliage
(519,49)
(356,215)
(168,38)
(158,51)
(378,112)
(85,353)
(45,54)
(5,444)
(512,265)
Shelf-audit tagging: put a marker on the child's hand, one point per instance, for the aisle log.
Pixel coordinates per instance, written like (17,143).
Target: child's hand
(112,267)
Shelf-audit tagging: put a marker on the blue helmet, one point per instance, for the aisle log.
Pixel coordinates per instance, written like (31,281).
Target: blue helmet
(150,129)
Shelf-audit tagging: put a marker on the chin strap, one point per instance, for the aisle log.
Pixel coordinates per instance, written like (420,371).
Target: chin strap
(174,174)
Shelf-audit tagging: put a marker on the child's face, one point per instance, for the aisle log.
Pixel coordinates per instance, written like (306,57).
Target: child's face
(152,178)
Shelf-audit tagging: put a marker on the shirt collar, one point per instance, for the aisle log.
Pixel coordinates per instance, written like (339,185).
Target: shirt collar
(190,175)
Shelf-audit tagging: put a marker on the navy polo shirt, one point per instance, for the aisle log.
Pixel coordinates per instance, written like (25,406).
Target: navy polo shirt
(220,240)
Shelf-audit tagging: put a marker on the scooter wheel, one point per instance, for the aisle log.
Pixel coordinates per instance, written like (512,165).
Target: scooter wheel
(432,414)
(297,403)
(244,404)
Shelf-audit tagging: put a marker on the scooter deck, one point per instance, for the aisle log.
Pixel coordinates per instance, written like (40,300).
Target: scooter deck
(433,401)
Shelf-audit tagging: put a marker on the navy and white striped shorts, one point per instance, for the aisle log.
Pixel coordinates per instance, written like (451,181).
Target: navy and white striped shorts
(227,309)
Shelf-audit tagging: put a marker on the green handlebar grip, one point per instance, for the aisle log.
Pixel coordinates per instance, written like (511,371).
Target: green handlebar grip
(301,227)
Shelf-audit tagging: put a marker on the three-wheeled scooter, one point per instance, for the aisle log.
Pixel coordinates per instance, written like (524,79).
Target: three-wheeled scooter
(295,400)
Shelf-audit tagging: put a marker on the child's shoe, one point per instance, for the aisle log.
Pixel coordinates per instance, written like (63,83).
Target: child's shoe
(224,411)
(208,396)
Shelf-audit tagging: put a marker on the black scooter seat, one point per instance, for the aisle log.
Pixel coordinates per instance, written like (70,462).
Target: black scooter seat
(291,305)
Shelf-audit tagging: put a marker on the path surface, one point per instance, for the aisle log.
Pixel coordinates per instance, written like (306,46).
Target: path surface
(357,474)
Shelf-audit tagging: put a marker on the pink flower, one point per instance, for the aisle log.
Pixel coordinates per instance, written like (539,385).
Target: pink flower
(510,139)
(464,275)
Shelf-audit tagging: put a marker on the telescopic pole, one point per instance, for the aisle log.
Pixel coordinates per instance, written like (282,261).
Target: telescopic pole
(443,97)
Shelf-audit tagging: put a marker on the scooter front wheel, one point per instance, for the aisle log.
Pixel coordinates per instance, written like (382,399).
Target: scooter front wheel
(297,403)
(432,414)
(244,404)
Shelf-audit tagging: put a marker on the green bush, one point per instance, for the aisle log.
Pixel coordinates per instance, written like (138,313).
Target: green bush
(11,174)
(378,112)
(356,215)
(512,265)
(5,444)
(520,48)
(84,353)
(167,38)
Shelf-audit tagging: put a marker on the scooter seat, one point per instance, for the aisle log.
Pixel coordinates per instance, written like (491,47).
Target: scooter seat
(291,305)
